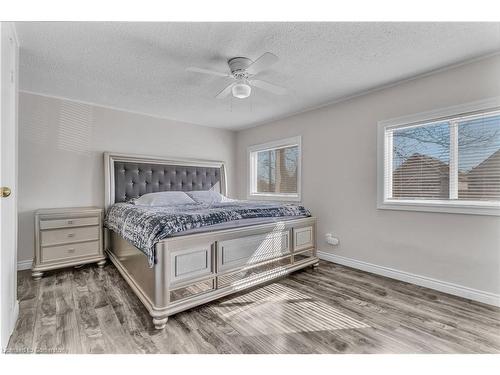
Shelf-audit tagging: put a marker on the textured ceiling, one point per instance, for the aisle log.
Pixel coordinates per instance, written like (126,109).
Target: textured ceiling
(141,66)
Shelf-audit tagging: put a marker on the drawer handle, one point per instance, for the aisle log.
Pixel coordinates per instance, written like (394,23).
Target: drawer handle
(71,235)
(70,222)
(71,251)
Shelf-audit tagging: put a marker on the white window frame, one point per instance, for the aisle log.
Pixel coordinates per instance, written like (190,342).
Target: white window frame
(384,170)
(252,171)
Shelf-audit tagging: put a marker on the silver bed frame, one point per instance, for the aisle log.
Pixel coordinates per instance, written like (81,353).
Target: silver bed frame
(197,268)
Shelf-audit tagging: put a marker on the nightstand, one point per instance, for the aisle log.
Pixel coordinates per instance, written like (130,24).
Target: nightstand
(67,237)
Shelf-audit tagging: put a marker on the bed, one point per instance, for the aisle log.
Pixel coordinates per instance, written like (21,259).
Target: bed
(177,266)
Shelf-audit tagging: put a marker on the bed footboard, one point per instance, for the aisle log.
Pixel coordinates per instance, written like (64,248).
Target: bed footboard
(194,269)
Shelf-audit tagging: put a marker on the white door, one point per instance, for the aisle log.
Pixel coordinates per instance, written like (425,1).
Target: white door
(8,180)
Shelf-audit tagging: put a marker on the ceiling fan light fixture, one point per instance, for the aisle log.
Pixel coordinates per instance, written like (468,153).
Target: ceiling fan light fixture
(241,90)
(243,71)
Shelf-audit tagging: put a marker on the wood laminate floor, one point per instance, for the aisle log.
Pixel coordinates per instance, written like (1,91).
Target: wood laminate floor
(332,309)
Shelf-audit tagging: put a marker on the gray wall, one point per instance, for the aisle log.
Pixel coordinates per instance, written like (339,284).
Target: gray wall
(61,145)
(339,181)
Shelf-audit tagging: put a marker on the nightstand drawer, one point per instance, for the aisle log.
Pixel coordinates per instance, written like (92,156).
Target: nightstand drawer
(62,236)
(65,223)
(77,250)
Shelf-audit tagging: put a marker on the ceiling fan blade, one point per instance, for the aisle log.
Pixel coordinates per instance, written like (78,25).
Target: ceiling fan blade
(263,62)
(278,90)
(225,92)
(207,71)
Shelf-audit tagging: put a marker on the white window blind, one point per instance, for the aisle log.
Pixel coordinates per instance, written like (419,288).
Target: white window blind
(451,160)
(275,169)
(421,162)
(479,158)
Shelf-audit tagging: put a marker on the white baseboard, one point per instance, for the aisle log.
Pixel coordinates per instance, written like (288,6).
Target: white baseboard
(442,286)
(24,264)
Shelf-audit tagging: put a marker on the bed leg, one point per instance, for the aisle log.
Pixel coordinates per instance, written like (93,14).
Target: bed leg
(315,265)
(160,323)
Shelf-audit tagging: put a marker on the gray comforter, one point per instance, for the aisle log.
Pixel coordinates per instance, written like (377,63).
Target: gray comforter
(144,226)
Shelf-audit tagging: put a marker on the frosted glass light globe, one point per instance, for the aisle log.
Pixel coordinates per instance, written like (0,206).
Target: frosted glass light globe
(241,90)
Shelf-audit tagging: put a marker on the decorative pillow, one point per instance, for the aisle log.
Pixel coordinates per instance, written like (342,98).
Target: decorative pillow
(208,196)
(163,198)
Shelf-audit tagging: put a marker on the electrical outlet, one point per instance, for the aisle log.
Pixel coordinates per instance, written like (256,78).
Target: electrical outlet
(331,239)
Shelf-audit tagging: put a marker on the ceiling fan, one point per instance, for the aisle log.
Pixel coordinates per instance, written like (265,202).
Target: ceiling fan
(243,71)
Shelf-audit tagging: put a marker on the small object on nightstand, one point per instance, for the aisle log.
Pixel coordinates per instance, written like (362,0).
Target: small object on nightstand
(67,237)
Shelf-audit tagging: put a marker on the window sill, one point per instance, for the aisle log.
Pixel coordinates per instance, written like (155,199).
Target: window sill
(274,197)
(471,208)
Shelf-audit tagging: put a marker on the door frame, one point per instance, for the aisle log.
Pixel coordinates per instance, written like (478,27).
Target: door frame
(9,297)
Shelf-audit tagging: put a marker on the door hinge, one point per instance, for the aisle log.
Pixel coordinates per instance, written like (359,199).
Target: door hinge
(12,76)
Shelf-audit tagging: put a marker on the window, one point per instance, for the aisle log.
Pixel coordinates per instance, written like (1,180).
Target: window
(446,160)
(275,170)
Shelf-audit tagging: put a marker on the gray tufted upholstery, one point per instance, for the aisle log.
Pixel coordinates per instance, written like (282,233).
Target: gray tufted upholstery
(135,179)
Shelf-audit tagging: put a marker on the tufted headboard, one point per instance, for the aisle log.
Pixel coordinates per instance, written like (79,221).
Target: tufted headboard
(130,176)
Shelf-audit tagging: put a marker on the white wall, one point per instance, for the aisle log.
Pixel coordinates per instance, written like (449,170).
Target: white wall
(61,145)
(339,184)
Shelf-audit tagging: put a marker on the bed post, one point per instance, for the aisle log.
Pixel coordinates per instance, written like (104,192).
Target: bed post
(161,282)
